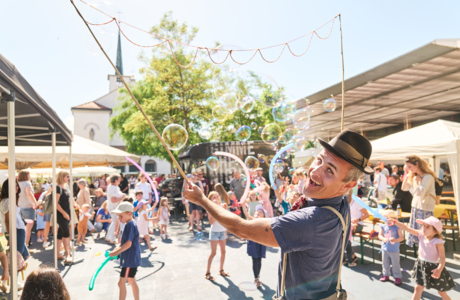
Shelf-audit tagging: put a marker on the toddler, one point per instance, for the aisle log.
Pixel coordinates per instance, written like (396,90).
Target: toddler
(143,223)
(391,236)
(83,224)
(264,193)
(40,223)
(164,217)
(429,269)
(234,205)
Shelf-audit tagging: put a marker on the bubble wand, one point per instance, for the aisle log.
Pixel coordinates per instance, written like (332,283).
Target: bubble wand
(374,212)
(146,175)
(109,258)
(277,155)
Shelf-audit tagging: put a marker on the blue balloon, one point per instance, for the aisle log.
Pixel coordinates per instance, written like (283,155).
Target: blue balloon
(374,212)
(277,155)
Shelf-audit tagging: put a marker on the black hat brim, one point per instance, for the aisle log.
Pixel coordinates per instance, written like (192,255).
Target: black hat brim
(367,169)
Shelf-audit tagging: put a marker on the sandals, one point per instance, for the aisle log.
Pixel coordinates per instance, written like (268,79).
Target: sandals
(257,282)
(190,228)
(198,228)
(209,277)
(60,257)
(153,248)
(222,273)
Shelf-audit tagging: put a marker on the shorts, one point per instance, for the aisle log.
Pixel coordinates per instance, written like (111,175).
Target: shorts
(63,230)
(193,206)
(28,213)
(156,209)
(128,272)
(217,236)
(47,218)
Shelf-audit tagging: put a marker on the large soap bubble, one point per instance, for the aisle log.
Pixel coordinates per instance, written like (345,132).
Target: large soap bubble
(247,104)
(278,166)
(302,119)
(175,136)
(264,89)
(243,133)
(300,143)
(251,162)
(212,163)
(329,105)
(289,133)
(219,113)
(205,133)
(271,133)
(283,111)
(229,101)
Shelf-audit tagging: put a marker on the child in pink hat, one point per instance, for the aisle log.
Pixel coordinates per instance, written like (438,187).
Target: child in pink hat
(429,269)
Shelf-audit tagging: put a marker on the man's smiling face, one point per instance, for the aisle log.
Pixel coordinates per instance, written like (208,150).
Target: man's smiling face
(326,175)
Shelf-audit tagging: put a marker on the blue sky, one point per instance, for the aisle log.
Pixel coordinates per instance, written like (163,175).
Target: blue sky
(51,47)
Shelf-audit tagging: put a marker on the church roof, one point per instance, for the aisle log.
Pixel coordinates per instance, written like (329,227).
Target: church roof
(93,105)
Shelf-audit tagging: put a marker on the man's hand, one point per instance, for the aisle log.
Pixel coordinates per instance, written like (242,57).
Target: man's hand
(193,193)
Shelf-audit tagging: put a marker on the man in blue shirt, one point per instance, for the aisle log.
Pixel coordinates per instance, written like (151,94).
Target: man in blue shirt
(311,236)
(129,251)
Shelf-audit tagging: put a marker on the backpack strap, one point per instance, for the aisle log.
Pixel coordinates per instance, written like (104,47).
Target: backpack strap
(344,231)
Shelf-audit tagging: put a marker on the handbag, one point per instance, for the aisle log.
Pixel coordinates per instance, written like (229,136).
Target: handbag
(48,204)
(341,293)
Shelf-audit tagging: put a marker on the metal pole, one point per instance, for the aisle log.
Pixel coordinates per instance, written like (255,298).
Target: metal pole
(55,224)
(72,220)
(343,75)
(12,198)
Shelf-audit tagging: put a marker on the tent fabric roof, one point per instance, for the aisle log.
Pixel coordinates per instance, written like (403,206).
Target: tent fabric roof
(84,153)
(91,105)
(421,85)
(35,119)
(436,138)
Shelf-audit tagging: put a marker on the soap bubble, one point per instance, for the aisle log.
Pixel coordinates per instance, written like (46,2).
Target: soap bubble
(262,158)
(283,111)
(260,129)
(175,136)
(212,163)
(229,101)
(104,38)
(289,133)
(251,162)
(283,140)
(301,119)
(243,133)
(278,166)
(274,147)
(271,133)
(247,104)
(199,236)
(264,89)
(300,144)
(285,155)
(291,171)
(254,126)
(245,181)
(219,113)
(205,133)
(329,105)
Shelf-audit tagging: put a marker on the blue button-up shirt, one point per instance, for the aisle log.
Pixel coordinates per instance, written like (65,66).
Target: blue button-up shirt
(312,238)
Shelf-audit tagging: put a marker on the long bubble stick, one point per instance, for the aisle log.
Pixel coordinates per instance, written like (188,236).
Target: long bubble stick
(245,169)
(374,212)
(109,258)
(146,175)
(277,155)
(173,159)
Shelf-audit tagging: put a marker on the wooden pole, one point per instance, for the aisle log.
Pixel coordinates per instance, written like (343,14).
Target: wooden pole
(134,98)
(343,75)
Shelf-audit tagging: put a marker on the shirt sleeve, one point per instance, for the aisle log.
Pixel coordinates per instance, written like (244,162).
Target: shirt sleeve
(294,231)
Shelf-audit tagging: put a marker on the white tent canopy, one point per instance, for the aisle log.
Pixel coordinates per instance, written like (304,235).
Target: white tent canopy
(433,141)
(84,153)
(84,171)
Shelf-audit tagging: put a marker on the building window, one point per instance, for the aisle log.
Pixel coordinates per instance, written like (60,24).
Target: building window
(91,134)
(150,166)
(133,168)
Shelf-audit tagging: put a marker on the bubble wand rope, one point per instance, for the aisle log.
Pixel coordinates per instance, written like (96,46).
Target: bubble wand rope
(132,96)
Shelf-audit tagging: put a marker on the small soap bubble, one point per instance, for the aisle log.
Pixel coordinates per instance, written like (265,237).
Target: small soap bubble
(251,162)
(289,133)
(247,104)
(260,129)
(254,126)
(219,113)
(291,171)
(212,163)
(278,166)
(205,133)
(274,147)
(300,144)
(245,181)
(175,136)
(243,133)
(283,111)
(301,119)
(199,236)
(283,140)
(229,101)
(285,155)
(329,105)
(271,133)
(262,158)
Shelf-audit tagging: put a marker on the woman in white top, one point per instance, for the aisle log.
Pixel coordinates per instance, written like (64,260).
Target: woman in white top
(27,202)
(114,198)
(357,214)
(145,188)
(380,184)
(218,236)
(5,219)
(420,181)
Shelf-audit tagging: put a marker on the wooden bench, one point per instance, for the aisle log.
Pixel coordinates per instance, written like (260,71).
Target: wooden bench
(364,238)
(453,228)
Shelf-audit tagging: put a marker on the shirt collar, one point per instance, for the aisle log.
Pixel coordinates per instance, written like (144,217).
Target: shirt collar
(325,202)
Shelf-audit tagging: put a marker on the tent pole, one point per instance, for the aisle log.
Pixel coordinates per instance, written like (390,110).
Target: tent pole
(12,197)
(55,224)
(343,76)
(71,199)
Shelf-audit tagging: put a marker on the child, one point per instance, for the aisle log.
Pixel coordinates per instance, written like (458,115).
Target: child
(83,224)
(253,202)
(255,250)
(121,226)
(143,223)
(264,193)
(129,251)
(164,217)
(391,236)
(233,207)
(139,196)
(40,223)
(429,269)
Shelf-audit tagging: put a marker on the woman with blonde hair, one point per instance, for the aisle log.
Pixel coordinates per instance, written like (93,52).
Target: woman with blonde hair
(420,181)
(27,202)
(63,213)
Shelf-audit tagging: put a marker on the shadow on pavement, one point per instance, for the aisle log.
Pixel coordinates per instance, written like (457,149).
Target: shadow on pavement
(232,291)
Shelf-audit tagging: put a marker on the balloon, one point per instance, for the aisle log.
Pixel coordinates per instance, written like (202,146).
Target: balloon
(272,164)
(109,258)
(146,175)
(374,212)
(245,169)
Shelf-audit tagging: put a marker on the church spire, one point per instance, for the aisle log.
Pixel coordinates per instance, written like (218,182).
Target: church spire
(119,63)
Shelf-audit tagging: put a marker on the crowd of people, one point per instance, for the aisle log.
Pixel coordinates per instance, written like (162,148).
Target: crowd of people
(104,206)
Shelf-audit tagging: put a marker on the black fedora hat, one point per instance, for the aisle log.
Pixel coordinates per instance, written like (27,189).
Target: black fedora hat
(352,147)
